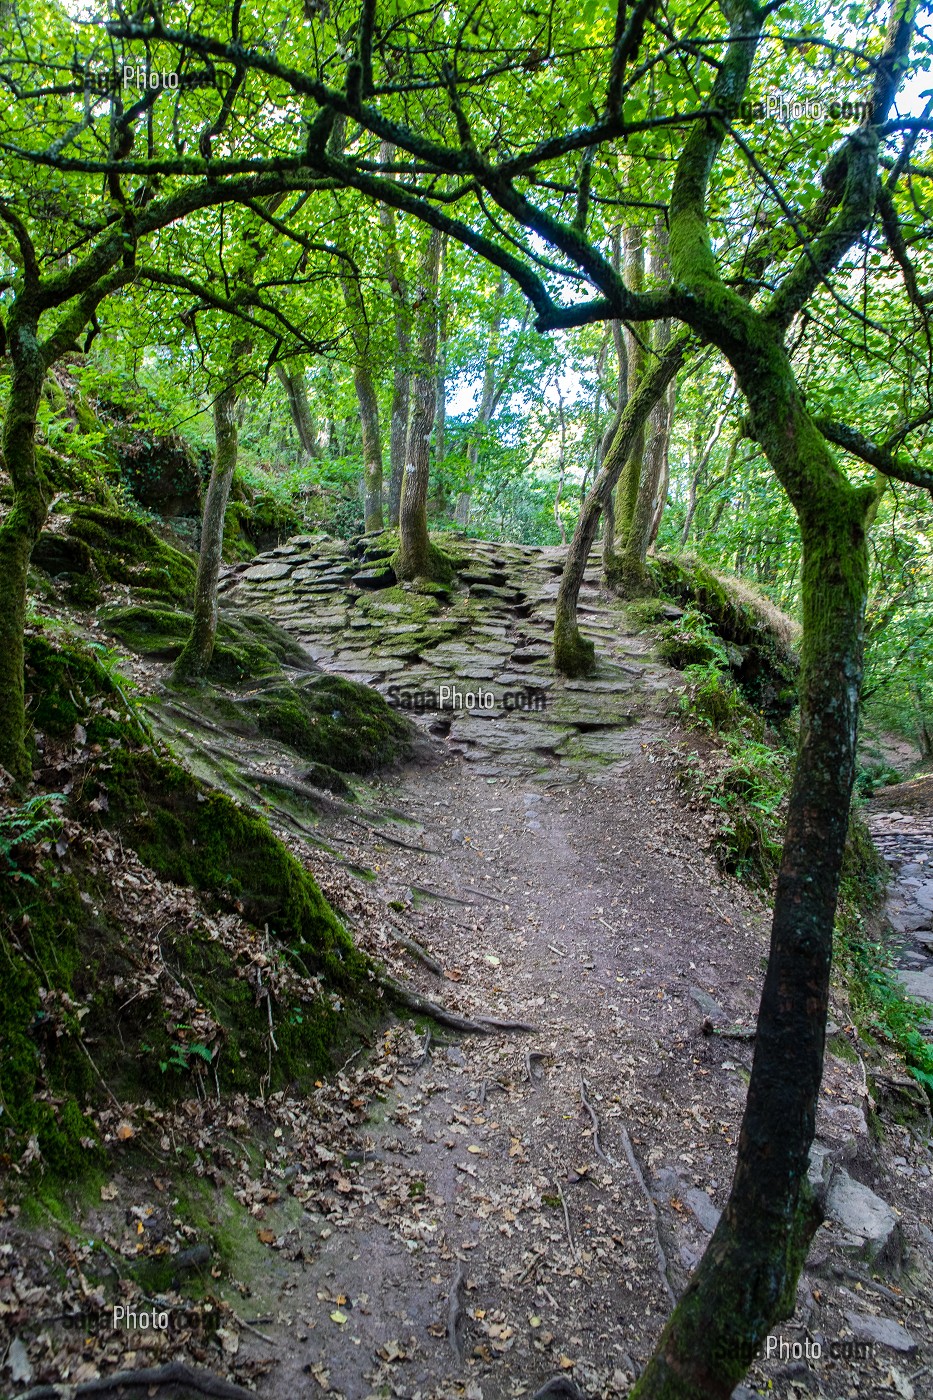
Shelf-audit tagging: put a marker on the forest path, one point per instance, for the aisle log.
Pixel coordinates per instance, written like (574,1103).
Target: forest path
(901,823)
(550,863)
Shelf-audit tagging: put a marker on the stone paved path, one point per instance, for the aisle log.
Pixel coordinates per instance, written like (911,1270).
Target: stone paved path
(487,637)
(902,828)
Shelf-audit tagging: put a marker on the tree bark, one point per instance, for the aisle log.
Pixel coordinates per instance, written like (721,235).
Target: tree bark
(372,448)
(368,402)
(416,557)
(626,496)
(195,659)
(747,1277)
(487,403)
(574,655)
(401,375)
(296,393)
(18,533)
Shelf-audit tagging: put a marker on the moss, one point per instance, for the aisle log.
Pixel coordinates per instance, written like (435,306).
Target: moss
(435,566)
(248,646)
(68,684)
(327,720)
(763,661)
(574,654)
(104,545)
(404,603)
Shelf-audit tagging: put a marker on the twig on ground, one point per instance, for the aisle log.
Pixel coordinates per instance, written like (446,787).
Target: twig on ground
(250,1327)
(570,1239)
(652,1211)
(425,1049)
(597,1145)
(455,1310)
(103,1081)
(530,1268)
(484,894)
(176,1373)
(439,894)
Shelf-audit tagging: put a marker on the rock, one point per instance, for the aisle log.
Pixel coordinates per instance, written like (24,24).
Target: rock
(820,1169)
(704,1210)
(707,1004)
(868,1220)
(924,896)
(455,1055)
(261,573)
(197,1257)
(918,984)
(373,579)
(881,1332)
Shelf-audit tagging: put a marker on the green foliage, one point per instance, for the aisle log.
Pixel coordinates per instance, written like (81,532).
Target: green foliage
(34,821)
(248,646)
(691,641)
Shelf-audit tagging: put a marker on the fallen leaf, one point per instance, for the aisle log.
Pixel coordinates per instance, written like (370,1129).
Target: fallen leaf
(17,1359)
(108,1192)
(338,1317)
(265,1236)
(125,1131)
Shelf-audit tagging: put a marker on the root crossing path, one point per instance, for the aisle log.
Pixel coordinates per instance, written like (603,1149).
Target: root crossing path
(517,1205)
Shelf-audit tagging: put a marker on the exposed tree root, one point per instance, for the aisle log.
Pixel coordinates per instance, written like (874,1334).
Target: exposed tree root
(597,1145)
(418,952)
(176,1373)
(455,1311)
(652,1212)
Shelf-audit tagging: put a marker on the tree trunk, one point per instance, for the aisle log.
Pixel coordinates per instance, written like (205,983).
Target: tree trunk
(195,659)
(574,655)
(368,402)
(296,393)
(18,534)
(372,448)
(665,471)
(487,403)
(626,498)
(747,1277)
(641,504)
(401,378)
(416,557)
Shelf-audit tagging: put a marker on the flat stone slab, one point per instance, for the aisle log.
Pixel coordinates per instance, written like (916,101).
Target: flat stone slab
(917,984)
(262,573)
(881,1332)
(864,1216)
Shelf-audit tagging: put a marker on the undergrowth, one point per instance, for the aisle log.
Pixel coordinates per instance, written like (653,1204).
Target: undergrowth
(746,778)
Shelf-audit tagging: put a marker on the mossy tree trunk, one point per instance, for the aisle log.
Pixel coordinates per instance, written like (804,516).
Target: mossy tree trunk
(574,655)
(19,531)
(198,651)
(640,503)
(401,374)
(748,1274)
(415,555)
(368,402)
(372,448)
(296,392)
(626,495)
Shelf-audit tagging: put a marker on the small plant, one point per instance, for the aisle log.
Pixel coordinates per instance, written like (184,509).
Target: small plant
(27,826)
(691,641)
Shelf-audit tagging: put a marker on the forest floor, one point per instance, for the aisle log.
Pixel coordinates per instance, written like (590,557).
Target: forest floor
(467,1215)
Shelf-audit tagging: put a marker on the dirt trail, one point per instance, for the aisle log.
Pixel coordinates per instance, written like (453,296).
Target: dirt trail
(558,1186)
(460,1217)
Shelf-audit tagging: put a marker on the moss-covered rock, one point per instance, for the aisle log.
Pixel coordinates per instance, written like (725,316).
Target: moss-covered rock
(248,645)
(101,545)
(74,969)
(327,720)
(760,639)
